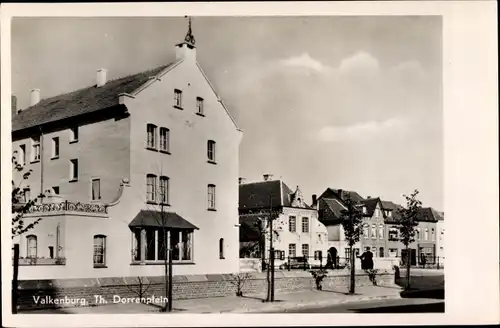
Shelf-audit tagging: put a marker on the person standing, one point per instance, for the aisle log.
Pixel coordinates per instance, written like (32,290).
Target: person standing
(366,259)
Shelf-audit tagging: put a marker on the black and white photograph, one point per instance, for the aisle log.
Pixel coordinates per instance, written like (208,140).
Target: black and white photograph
(228,164)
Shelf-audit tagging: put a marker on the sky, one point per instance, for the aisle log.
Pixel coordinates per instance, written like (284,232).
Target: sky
(349,102)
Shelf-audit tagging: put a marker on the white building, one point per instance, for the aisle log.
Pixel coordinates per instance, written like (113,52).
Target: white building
(117,155)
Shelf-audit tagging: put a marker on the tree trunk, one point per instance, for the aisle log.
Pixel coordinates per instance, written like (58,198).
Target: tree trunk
(353,281)
(165,263)
(408,265)
(14,279)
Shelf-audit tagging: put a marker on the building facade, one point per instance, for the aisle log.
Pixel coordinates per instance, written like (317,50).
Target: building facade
(297,230)
(380,231)
(128,166)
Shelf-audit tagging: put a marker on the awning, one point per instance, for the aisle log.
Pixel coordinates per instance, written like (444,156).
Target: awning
(147,218)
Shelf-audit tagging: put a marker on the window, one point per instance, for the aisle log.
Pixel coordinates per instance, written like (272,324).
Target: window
(55,147)
(56,190)
(221,248)
(433,234)
(381,231)
(347,253)
(163,195)
(292,250)
(377,212)
(364,210)
(305,250)
(35,149)
(374,231)
(31,246)
(393,252)
(96,189)
(365,231)
(318,255)
(177,98)
(381,252)
(199,105)
(26,194)
(73,169)
(211,150)
(211,197)
(279,254)
(389,213)
(305,225)
(151,135)
(152,238)
(393,234)
(51,252)
(151,188)
(426,234)
(73,134)
(22,155)
(292,225)
(165,139)
(99,251)
(417,233)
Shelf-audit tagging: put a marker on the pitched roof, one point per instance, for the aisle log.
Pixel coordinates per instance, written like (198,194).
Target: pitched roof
(335,193)
(426,214)
(370,204)
(82,101)
(330,211)
(262,194)
(148,218)
(388,205)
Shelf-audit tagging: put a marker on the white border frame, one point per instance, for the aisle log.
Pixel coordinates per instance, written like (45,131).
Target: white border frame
(470,69)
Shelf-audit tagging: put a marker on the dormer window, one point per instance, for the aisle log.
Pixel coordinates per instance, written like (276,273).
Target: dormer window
(364,210)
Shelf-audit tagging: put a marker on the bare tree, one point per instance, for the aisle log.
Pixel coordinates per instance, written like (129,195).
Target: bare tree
(352,219)
(142,287)
(407,222)
(239,280)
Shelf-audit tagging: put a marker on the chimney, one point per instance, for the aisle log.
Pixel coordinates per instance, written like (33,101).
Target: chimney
(268,177)
(314,199)
(13,101)
(101,77)
(241,180)
(368,197)
(35,97)
(341,194)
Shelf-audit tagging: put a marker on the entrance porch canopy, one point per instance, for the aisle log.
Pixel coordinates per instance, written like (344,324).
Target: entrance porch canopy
(172,220)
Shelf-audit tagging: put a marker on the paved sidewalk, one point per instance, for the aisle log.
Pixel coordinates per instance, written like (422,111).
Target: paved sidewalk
(249,303)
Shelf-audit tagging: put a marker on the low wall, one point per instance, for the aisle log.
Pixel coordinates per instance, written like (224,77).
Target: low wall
(101,291)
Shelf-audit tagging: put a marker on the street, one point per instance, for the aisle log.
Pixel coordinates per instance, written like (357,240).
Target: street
(409,305)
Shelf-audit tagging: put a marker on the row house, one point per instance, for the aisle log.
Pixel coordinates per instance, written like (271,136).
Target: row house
(380,233)
(122,161)
(297,230)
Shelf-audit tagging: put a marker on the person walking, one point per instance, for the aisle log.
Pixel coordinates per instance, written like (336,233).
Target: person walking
(423,260)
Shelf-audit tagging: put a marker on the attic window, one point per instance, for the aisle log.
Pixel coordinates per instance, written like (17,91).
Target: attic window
(178,98)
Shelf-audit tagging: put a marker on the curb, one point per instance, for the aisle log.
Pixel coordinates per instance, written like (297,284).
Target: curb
(313,304)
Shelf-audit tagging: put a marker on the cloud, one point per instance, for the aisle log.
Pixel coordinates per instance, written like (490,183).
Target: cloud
(305,61)
(362,62)
(358,131)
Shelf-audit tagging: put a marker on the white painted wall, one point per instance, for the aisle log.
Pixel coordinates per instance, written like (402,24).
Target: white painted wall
(189,175)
